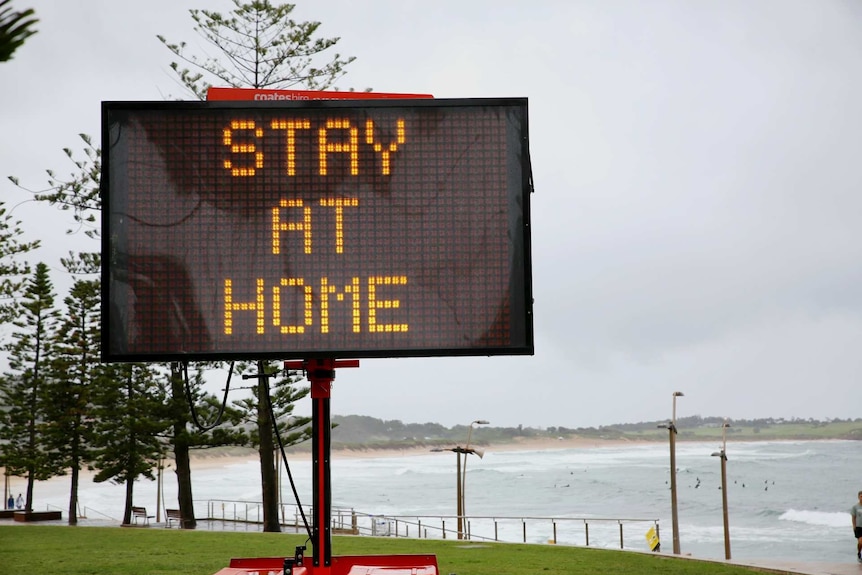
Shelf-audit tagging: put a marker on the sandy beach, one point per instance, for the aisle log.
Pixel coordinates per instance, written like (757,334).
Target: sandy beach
(217,458)
(209,459)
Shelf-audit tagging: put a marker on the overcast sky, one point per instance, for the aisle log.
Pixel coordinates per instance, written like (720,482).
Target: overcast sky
(697,166)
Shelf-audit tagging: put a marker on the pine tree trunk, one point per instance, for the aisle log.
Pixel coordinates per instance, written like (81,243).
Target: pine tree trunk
(31,445)
(127,513)
(73,495)
(184,485)
(28,501)
(181,454)
(269,483)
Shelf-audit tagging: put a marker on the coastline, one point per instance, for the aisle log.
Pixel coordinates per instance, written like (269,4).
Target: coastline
(208,459)
(218,457)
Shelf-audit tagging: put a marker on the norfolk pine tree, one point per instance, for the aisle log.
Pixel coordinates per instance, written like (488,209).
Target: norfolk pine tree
(21,389)
(260,46)
(131,416)
(13,274)
(281,398)
(74,372)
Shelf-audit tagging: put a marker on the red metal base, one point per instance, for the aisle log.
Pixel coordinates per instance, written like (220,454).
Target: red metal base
(346,565)
(320,373)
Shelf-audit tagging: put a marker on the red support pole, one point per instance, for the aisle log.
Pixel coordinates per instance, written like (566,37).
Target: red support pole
(320,373)
(320,445)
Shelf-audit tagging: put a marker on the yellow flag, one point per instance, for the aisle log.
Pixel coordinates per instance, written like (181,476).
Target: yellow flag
(652,538)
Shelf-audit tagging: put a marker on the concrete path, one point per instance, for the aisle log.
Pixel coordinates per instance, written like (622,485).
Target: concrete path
(851,567)
(777,566)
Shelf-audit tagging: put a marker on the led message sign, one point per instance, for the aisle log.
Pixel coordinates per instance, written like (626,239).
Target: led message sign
(315,229)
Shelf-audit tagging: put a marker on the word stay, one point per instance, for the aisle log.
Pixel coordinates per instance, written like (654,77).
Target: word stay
(244,139)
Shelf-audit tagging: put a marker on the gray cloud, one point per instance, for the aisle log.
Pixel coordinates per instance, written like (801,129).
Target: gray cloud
(695,222)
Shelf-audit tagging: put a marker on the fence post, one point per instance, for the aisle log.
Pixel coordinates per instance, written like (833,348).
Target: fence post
(555,532)
(495,531)
(587,532)
(444,529)
(621,535)
(524,524)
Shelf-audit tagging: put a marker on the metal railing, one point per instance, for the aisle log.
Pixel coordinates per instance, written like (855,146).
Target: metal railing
(83,512)
(605,532)
(585,531)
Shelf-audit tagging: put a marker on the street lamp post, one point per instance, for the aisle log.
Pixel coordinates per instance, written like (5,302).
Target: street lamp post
(460,475)
(458,500)
(671,427)
(468,451)
(723,455)
(459,510)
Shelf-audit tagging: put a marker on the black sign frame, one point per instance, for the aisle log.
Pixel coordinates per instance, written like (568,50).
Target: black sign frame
(151,270)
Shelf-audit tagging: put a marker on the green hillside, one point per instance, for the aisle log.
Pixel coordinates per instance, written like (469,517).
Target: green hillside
(363,432)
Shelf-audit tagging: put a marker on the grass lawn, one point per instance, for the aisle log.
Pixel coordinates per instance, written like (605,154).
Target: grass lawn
(777,432)
(62,550)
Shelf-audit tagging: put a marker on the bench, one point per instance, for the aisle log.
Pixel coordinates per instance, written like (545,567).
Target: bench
(141,513)
(172,515)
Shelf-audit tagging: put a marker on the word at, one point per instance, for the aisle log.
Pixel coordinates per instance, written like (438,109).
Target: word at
(304,225)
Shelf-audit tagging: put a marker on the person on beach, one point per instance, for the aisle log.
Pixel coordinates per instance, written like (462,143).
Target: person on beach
(19,503)
(856,514)
(11,503)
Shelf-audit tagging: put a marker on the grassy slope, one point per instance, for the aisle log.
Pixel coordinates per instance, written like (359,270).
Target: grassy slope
(90,550)
(785,431)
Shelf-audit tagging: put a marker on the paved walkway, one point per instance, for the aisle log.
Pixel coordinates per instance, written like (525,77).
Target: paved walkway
(851,567)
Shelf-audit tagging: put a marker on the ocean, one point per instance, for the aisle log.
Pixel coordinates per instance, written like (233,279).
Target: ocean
(786,500)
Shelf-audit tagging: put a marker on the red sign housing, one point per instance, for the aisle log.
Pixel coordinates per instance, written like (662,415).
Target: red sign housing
(216,94)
